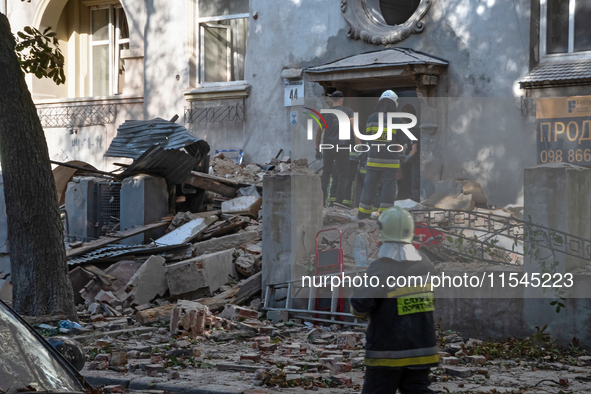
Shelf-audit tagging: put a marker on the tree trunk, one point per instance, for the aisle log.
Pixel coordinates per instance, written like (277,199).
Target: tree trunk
(35,234)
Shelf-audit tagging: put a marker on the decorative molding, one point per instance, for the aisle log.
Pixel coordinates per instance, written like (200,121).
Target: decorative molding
(219,91)
(367,24)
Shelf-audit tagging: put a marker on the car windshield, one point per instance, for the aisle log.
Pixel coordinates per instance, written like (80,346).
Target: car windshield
(26,364)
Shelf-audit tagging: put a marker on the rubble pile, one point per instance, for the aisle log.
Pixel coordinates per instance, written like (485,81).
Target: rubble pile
(253,173)
(247,351)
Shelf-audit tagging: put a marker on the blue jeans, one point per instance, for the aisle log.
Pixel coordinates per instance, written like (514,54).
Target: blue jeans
(370,186)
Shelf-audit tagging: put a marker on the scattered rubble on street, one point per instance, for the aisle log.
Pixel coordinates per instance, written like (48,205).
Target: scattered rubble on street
(238,350)
(185,310)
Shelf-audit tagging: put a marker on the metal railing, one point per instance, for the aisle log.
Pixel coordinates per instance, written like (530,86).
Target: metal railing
(231,113)
(486,248)
(77,115)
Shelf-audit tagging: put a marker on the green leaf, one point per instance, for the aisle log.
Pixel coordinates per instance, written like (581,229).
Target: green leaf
(558,239)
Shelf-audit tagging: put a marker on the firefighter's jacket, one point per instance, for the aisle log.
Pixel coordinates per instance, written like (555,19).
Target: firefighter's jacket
(380,156)
(401,331)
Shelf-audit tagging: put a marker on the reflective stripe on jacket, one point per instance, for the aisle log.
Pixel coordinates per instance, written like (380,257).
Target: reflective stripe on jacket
(379,157)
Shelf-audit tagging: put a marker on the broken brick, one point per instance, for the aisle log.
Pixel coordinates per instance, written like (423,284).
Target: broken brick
(235,312)
(188,318)
(118,358)
(267,347)
(343,367)
(154,368)
(450,361)
(476,360)
(459,372)
(346,340)
(251,356)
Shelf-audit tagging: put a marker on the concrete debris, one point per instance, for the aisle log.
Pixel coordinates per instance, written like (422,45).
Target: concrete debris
(182,218)
(187,232)
(240,347)
(408,204)
(227,168)
(149,282)
(235,312)
(247,205)
(238,294)
(205,274)
(475,190)
(248,264)
(190,318)
(338,215)
(224,243)
(450,201)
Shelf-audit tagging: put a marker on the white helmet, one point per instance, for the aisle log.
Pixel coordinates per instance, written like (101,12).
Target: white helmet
(389,94)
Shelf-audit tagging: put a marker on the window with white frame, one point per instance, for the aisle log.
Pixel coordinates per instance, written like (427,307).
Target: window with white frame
(109,35)
(2,6)
(223,33)
(565,28)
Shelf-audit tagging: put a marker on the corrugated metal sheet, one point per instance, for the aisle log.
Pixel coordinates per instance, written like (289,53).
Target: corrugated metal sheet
(134,137)
(111,251)
(383,58)
(173,165)
(557,73)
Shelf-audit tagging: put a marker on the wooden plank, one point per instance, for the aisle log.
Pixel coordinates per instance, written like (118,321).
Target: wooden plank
(226,181)
(218,302)
(206,214)
(104,241)
(250,286)
(224,230)
(102,275)
(199,180)
(155,315)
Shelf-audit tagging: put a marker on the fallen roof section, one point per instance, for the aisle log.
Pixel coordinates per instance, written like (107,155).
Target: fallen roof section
(134,137)
(173,165)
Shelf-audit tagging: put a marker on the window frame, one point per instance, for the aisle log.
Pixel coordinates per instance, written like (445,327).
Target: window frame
(543,46)
(3,7)
(201,44)
(113,42)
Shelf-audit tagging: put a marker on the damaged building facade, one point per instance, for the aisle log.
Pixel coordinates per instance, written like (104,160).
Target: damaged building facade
(234,70)
(224,66)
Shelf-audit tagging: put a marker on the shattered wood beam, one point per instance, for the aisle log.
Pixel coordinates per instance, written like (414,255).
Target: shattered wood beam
(250,287)
(205,182)
(104,241)
(155,315)
(218,302)
(225,181)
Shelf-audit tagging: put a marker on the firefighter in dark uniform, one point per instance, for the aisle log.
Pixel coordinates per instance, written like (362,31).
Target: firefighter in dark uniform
(401,344)
(382,164)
